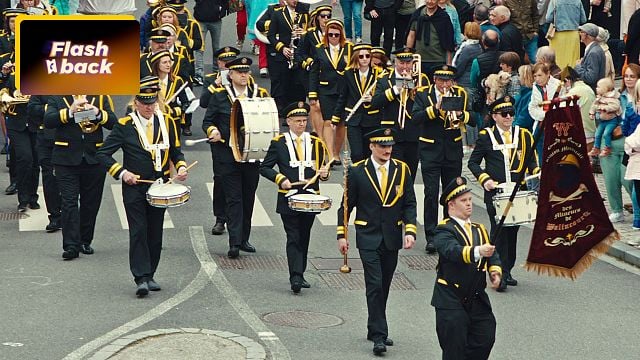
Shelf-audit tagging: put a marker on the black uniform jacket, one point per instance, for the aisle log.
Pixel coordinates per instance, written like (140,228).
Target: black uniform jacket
(181,66)
(385,100)
(136,159)
(35,108)
(494,160)
(351,90)
(210,86)
(281,26)
(457,270)
(16,116)
(218,116)
(71,144)
(278,154)
(379,217)
(325,75)
(307,48)
(439,142)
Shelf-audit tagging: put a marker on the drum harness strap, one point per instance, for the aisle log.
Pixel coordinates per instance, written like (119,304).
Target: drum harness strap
(232,92)
(307,162)
(505,152)
(154,149)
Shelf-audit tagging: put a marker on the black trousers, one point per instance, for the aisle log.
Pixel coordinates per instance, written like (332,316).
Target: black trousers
(26,164)
(297,226)
(379,266)
(286,84)
(219,202)
(506,243)
(81,184)
(385,21)
(145,235)
(433,175)
(402,27)
(49,184)
(239,182)
(466,334)
(358,142)
(407,151)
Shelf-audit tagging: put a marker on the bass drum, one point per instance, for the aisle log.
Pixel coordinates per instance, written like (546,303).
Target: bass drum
(254,122)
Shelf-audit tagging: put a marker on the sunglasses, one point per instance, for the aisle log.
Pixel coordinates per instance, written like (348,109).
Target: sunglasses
(507,113)
(365,56)
(333,35)
(325,16)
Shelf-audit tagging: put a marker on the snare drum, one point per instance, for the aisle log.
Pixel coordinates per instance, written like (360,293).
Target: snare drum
(309,202)
(254,122)
(523,210)
(168,195)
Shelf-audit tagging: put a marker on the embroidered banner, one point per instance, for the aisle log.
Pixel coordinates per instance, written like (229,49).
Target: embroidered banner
(572,226)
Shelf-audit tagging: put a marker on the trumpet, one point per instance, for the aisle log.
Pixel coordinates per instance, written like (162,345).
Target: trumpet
(451,115)
(7,101)
(82,116)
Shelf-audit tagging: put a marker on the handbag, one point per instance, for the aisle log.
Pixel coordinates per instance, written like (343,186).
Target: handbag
(552,27)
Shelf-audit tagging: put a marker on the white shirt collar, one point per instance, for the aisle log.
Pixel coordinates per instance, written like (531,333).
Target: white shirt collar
(377,166)
(460,221)
(144,119)
(294,136)
(366,73)
(334,47)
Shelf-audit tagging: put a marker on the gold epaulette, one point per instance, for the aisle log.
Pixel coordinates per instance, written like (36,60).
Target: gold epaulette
(482,132)
(358,163)
(263,92)
(124,120)
(277,137)
(279,8)
(443,221)
(219,89)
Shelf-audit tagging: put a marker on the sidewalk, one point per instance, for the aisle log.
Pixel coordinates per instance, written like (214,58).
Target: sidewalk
(620,249)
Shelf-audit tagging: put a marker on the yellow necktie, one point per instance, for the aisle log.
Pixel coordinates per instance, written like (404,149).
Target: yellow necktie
(150,131)
(363,82)
(467,227)
(507,140)
(299,150)
(336,53)
(383,180)
(163,87)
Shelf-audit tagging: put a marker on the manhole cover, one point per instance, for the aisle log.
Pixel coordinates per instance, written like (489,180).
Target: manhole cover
(252,263)
(420,262)
(302,319)
(355,281)
(8,216)
(182,346)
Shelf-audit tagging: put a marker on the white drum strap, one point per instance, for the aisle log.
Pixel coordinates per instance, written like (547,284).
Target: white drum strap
(301,165)
(154,149)
(504,148)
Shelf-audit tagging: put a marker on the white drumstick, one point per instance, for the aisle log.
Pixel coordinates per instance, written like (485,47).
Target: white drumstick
(193,142)
(532,176)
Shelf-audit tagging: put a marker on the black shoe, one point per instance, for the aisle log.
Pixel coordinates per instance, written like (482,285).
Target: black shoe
(379,347)
(234,252)
(22,207)
(187,131)
(143,289)
(387,341)
(153,285)
(11,189)
(218,229)
(54,225)
(305,284)
(34,205)
(70,254)
(296,285)
(511,281)
(87,249)
(430,248)
(247,247)
(503,286)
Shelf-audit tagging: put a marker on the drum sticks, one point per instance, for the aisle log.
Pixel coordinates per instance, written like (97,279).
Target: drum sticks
(193,142)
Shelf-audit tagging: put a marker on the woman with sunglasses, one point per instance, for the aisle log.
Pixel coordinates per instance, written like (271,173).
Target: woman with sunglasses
(488,148)
(358,83)
(310,40)
(329,63)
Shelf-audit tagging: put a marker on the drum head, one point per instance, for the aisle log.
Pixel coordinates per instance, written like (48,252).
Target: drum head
(170,189)
(237,131)
(309,197)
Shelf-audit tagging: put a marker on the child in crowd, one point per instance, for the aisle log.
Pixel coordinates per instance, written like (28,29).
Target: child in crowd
(608,111)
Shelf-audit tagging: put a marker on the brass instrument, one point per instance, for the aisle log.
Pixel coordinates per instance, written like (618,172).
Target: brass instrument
(451,116)
(7,101)
(82,115)
(417,69)
(409,87)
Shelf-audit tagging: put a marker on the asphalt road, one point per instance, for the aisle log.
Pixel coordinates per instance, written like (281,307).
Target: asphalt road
(51,309)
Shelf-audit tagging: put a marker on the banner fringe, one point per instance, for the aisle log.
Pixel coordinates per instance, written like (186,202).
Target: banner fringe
(580,266)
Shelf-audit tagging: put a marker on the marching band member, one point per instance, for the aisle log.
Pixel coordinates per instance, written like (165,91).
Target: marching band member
(394,96)
(298,155)
(191,29)
(239,179)
(465,324)
(440,141)
(287,25)
(8,37)
(44,146)
(329,63)
(357,85)
(161,67)
(379,60)
(502,147)
(167,15)
(79,174)
(158,41)
(148,139)
(381,189)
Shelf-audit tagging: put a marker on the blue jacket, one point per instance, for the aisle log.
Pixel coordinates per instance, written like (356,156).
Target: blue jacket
(522,117)
(569,14)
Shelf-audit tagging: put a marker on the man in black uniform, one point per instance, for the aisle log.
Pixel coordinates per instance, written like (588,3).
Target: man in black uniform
(44,145)
(147,138)
(440,141)
(239,179)
(502,147)
(78,172)
(214,81)
(465,323)
(381,189)
(286,75)
(159,37)
(396,88)
(299,156)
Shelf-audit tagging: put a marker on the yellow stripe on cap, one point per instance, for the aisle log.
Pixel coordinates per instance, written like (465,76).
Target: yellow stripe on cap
(297,111)
(443,72)
(455,192)
(502,106)
(380,138)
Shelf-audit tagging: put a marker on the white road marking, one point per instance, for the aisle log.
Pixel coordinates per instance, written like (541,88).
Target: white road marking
(36,220)
(330,217)
(260,216)
(116,190)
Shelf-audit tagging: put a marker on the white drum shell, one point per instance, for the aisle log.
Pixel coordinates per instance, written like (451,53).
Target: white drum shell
(168,195)
(309,202)
(523,210)
(254,122)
